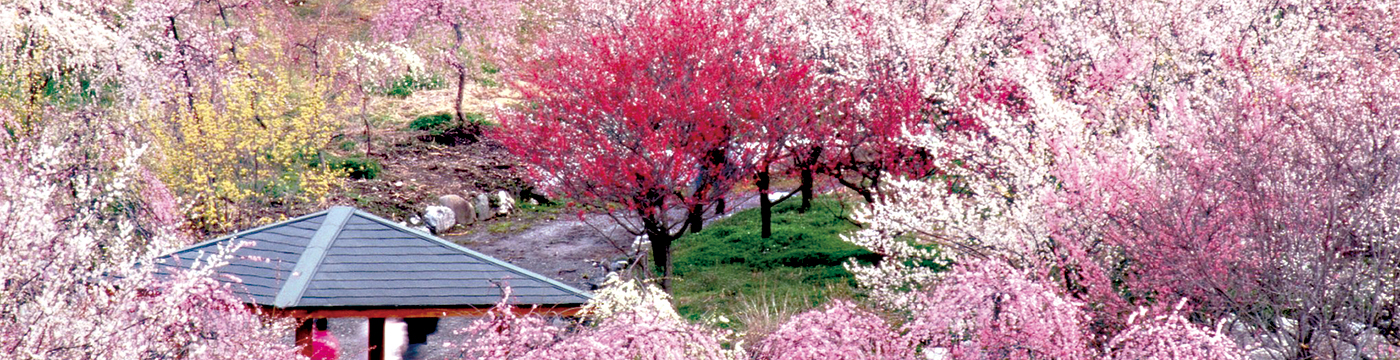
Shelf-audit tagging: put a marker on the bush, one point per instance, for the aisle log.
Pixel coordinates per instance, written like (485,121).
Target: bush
(358,167)
(1171,336)
(478,120)
(442,130)
(434,124)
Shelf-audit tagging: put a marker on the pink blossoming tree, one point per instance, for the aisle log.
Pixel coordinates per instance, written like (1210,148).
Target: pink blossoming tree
(988,310)
(841,330)
(465,34)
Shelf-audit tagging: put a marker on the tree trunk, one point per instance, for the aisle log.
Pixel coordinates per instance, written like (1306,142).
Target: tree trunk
(457,106)
(765,205)
(364,116)
(661,254)
(807,180)
(695,221)
(808,164)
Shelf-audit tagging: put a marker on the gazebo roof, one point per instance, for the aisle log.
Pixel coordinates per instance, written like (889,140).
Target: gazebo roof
(344,258)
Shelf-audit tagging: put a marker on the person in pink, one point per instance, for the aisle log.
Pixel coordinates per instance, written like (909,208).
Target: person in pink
(324,345)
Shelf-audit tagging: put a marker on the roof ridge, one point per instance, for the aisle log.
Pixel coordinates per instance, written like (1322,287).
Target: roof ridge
(498,262)
(311,257)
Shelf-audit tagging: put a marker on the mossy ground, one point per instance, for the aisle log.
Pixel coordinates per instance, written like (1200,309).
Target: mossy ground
(729,272)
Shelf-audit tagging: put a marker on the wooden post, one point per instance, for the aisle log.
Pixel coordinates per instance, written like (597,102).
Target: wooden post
(304,336)
(376,339)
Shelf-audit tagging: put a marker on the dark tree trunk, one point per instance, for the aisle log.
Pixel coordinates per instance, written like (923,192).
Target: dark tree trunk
(661,254)
(765,205)
(303,337)
(807,180)
(808,165)
(457,106)
(695,221)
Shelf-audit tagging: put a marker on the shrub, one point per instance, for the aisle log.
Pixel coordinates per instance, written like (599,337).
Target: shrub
(629,320)
(358,167)
(477,120)
(434,124)
(236,156)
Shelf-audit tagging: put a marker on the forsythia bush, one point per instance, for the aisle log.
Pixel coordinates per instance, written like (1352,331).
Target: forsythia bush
(258,149)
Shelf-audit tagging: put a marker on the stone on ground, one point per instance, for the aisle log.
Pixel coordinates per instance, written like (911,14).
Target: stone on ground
(466,213)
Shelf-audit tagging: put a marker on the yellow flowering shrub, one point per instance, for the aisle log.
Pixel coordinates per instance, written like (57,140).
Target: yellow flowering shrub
(258,149)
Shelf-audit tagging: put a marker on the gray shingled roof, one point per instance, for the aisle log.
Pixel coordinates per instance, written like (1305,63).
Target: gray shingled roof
(343,257)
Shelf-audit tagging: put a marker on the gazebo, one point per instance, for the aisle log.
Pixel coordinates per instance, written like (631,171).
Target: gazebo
(343,262)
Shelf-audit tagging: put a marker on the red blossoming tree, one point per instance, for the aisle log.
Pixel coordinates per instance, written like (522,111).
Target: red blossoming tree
(630,112)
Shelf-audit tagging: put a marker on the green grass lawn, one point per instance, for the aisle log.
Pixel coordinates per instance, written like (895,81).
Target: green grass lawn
(728,271)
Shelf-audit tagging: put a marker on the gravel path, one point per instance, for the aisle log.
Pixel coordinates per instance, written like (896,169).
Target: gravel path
(567,247)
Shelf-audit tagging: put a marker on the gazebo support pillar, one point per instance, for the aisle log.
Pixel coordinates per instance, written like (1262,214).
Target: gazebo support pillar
(304,336)
(376,338)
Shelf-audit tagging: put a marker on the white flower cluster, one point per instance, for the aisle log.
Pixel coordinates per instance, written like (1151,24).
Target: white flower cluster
(379,59)
(618,295)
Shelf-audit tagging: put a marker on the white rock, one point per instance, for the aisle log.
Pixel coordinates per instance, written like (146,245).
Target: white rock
(439,218)
(774,196)
(506,204)
(641,244)
(483,207)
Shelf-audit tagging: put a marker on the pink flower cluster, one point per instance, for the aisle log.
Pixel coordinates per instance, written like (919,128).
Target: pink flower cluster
(988,310)
(840,331)
(1170,336)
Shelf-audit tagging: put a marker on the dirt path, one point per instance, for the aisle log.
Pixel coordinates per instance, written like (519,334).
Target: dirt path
(566,247)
